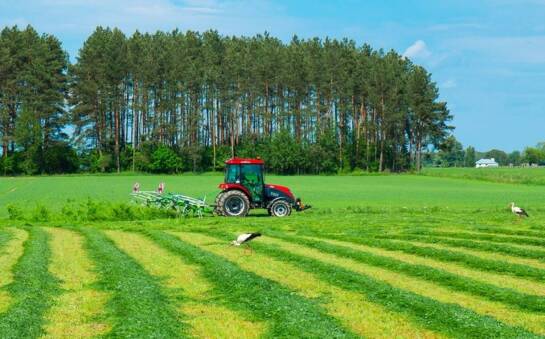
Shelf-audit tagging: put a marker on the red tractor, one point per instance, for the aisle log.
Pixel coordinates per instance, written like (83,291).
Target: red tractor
(244,189)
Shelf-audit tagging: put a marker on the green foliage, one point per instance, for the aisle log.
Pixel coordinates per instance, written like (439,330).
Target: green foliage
(165,160)
(40,213)
(470,157)
(15,212)
(534,155)
(88,211)
(323,105)
(451,153)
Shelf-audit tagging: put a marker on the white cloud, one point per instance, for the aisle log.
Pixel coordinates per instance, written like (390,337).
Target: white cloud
(418,50)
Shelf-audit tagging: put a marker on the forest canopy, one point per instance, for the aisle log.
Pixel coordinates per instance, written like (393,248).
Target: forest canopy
(178,101)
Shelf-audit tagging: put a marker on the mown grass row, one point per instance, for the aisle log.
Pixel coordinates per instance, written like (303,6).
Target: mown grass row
(455,282)
(206,316)
(506,231)
(137,306)
(287,314)
(351,308)
(5,236)
(516,240)
(449,319)
(32,290)
(384,241)
(481,246)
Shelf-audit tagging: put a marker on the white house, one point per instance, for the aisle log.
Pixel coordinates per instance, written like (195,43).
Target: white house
(486,163)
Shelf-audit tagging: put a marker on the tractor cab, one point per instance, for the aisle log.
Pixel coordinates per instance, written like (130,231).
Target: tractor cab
(248,173)
(244,188)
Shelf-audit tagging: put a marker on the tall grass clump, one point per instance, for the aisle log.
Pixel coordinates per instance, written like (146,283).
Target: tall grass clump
(89,211)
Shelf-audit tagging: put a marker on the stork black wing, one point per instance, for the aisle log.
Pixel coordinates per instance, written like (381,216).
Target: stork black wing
(252,236)
(523,212)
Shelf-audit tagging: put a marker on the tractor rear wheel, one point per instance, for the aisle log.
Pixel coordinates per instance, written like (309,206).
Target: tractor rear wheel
(280,208)
(217,209)
(233,204)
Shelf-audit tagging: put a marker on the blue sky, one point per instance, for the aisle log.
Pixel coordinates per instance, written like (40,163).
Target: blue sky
(487,56)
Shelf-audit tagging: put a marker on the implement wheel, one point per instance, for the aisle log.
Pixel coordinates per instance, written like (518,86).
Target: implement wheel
(280,208)
(233,204)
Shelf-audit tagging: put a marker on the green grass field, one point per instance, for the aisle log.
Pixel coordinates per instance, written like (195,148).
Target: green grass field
(530,176)
(393,256)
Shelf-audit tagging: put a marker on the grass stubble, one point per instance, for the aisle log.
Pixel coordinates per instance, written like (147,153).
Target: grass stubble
(77,310)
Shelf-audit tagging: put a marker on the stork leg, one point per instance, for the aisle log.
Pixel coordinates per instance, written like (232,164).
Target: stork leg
(248,249)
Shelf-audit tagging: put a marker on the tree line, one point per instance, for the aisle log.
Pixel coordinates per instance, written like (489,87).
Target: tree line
(452,154)
(178,101)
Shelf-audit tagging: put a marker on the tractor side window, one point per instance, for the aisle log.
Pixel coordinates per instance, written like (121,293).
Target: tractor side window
(232,174)
(252,174)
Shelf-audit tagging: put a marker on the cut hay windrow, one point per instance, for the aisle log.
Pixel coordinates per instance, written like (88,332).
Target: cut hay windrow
(402,294)
(482,254)
(447,271)
(363,317)
(496,238)
(137,306)
(441,277)
(454,313)
(77,308)
(508,231)
(11,249)
(482,246)
(5,236)
(32,290)
(287,314)
(447,256)
(186,284)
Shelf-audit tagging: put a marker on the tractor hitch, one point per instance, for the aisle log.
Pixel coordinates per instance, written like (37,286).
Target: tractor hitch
(299,206)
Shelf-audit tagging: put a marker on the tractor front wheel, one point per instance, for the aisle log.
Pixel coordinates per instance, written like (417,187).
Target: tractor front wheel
(233,204)
(280,208)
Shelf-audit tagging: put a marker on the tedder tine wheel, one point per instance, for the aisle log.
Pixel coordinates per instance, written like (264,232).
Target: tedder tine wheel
(280,208)
(233,204)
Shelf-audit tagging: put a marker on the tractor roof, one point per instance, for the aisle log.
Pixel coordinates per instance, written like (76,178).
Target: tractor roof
(244,161)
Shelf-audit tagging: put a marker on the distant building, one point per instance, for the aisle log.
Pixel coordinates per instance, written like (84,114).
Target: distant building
(486,163)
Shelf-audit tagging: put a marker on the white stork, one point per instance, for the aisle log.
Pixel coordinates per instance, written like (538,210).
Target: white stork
(161,188)
(244,239)
(518,211)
